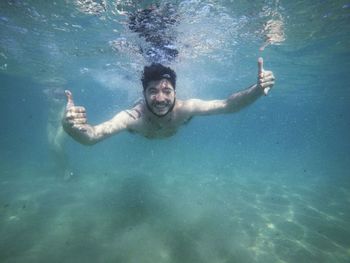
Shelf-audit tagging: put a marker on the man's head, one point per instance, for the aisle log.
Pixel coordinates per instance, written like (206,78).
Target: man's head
(159,89)
(157,71)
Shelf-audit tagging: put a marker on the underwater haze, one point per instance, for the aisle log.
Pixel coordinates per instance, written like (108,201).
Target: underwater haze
(270,183)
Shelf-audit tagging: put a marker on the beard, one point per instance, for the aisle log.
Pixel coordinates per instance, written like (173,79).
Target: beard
(155,105)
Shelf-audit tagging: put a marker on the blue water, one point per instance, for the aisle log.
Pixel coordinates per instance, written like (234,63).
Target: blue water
(267,184)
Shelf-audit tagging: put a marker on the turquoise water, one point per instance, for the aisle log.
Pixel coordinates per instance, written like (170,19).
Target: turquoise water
(267,184)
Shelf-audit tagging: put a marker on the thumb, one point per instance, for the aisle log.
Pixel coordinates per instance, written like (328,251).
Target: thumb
(70,102)
(260,65)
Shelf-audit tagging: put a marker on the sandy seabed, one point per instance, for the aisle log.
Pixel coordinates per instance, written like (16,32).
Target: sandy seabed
(182,217)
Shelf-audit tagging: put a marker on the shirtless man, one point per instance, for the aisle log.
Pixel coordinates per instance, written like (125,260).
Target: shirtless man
(160,114)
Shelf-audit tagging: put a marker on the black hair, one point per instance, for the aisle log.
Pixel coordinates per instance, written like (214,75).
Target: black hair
(157,71)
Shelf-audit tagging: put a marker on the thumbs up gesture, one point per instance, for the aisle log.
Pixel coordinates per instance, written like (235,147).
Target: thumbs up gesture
(266,79)
(75,116)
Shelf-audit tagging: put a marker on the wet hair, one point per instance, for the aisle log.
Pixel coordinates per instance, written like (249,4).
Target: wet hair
(156,72)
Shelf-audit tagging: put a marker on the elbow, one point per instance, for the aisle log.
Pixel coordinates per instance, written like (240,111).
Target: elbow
(231,105)
(83,138)
(87,142)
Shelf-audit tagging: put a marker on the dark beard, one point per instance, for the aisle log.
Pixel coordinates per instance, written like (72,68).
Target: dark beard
(160,115)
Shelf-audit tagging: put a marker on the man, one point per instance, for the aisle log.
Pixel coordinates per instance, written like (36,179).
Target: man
(160,114)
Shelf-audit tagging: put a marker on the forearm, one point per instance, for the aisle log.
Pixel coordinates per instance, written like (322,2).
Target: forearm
(244,98)
(89,135)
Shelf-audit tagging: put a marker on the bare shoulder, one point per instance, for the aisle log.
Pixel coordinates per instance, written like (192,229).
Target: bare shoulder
(136,112)
(187,105)
(126,118)
(183,107)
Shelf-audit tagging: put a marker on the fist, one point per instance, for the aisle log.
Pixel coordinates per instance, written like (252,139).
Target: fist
(266,79)
(75,116)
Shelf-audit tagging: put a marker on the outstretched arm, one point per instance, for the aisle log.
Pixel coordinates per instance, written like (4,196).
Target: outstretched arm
(75,124)
(236,101)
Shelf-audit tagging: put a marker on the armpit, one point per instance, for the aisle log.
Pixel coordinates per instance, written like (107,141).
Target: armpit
(188,120)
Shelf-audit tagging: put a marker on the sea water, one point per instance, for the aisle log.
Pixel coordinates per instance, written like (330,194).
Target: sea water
(267,184)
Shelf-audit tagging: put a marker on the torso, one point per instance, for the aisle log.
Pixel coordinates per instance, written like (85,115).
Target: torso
(151,126)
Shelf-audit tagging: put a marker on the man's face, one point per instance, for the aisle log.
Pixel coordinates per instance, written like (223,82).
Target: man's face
(160,97)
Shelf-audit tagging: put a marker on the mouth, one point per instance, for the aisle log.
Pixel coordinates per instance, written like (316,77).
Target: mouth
(161,106)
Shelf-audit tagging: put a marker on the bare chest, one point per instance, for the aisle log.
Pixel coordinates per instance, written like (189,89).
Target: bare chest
(151,128)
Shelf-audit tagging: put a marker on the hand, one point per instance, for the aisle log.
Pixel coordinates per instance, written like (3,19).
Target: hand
(75,116)
(266,79)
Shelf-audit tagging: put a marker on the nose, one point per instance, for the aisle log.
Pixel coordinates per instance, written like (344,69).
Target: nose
(160,96)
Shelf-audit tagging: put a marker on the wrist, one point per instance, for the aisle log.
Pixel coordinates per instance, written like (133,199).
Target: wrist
(258,89)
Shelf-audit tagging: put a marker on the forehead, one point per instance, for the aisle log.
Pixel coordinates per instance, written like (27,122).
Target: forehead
(163,83)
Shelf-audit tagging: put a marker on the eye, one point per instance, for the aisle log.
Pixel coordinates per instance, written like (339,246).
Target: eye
(168,91)
(152,91)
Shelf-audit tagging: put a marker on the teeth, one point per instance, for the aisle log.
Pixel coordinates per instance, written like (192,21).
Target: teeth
(160,106)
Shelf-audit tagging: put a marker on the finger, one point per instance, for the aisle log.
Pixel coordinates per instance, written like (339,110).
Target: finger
(266,91)
(79,121)
(260,66)
(80,127)
(70,102)
(74,115)
(76,109)
(267,73)
(80,115)
(70,122)
(266,79)
(267,84)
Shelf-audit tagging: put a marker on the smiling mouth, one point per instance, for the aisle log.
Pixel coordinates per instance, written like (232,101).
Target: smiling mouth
(161,106)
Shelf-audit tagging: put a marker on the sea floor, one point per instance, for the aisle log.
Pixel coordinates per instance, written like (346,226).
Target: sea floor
(184,217)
